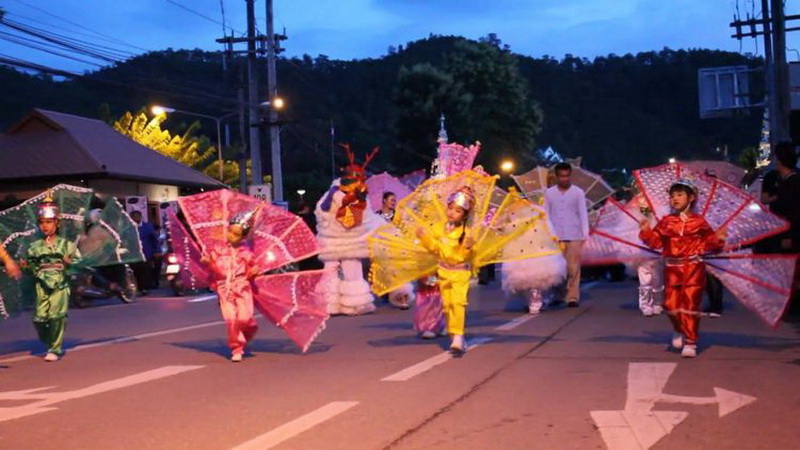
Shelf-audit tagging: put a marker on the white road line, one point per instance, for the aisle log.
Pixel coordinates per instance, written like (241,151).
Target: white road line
(515,323)
(39,401)
(295,427)
(203,298)
(410,372)
(121,340)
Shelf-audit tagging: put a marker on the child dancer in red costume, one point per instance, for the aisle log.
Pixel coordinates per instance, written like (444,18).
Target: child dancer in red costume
(683,237)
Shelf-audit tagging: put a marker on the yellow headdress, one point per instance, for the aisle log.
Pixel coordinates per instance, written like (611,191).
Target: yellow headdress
(463,197)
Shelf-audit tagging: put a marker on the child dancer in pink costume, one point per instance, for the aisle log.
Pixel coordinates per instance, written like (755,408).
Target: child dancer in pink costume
(428,312)
(233,269)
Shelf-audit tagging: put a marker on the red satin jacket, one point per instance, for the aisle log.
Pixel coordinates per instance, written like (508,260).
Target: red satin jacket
(682,236)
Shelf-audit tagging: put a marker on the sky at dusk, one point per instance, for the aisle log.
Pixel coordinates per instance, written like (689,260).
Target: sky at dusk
(354,29)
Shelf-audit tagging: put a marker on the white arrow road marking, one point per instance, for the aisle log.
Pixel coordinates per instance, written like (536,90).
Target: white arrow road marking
(727,401)
(638,426)
(410,372)
(635,430)
(295,427)
(46,400)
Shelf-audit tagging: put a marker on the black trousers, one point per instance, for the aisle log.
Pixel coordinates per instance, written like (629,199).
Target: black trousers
(144,274)
(714,292)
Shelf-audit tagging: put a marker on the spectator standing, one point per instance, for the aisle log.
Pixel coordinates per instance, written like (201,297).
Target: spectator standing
(566,207)
(787,205)
(150,249)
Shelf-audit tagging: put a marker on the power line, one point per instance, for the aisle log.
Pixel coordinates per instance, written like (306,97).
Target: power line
(222,9)
(30,43)
(97,33)
(199,14)
(108,51)
(54,43)
(41,35)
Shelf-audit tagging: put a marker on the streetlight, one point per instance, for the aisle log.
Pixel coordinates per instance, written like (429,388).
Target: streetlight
(672,160)
(274,104)
(158,110)
(507,166)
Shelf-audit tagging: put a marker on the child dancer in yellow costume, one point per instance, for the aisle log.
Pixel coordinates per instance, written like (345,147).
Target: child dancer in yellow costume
(450,227)
(452,245)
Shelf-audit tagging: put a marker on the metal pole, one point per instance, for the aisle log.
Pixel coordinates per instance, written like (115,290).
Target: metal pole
(769,74)
(252,80)
(333,148)
(274,131)
(242,124)
(219,148)
(781,72)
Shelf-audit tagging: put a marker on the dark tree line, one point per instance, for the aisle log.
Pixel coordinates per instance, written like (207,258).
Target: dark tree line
(615,111)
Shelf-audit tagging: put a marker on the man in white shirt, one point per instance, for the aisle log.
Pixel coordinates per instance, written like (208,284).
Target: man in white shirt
(566,206)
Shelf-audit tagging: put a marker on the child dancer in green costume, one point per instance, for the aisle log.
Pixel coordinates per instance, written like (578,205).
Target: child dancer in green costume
(47,259)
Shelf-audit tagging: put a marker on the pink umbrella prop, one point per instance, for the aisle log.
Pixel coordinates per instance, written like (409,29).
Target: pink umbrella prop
(721,204)
(413,179)
(208,214)
(615,235)
(383,182)
(279,237)
(534,182)
(193,274)
(763,283)
(594,186)
(301,316)
(725,171)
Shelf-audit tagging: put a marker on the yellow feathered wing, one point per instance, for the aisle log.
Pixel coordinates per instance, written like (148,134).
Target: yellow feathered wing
(516,229)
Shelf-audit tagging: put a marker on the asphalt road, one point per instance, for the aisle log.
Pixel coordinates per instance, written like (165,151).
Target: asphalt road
(156,375)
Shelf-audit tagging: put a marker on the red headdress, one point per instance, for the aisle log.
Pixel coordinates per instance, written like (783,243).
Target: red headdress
(354,185)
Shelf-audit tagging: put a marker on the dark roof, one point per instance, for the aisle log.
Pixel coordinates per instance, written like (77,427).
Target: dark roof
(47,144)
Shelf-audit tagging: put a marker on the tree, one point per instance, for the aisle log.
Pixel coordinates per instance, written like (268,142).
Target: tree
(193,151)
(423,93)
(478,87)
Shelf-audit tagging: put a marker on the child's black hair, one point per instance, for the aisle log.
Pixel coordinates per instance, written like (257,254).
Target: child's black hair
(682,188)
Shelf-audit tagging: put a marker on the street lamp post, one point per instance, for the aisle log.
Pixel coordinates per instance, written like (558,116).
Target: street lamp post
(274,105)
(157,110)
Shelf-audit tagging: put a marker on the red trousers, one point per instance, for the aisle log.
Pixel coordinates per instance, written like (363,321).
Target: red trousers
(683,293)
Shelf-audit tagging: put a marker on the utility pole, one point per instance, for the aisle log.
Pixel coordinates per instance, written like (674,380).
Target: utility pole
(274,129)
(253,101)
(781,73)
(776,70)
(243,157)
(769,75)
(252,94)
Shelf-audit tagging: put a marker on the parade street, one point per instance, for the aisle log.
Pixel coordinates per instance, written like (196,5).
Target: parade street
(156,374)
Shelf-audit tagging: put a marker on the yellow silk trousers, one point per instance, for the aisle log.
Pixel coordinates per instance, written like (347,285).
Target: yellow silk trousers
(454,287)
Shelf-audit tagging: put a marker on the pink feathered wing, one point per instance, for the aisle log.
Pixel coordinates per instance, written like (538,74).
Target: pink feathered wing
(292,302)
(194,274)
